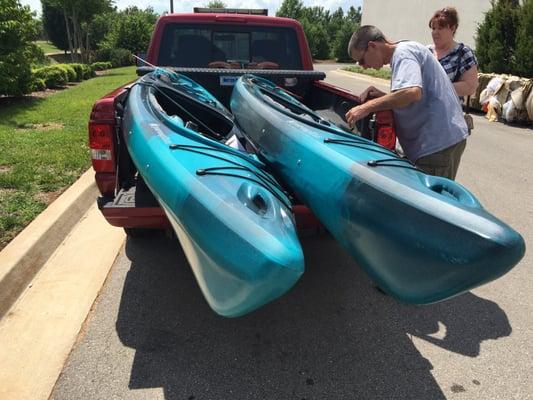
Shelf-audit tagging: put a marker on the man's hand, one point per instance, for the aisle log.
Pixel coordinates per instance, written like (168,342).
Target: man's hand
(371,93)
(355,114)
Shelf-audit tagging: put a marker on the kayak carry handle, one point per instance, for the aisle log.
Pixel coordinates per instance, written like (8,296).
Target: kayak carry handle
(451,189)
(255,198)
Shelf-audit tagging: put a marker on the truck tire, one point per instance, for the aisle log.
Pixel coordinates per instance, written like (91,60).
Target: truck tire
(138,233)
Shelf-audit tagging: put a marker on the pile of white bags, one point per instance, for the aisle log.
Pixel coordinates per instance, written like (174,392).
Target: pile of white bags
(505,97)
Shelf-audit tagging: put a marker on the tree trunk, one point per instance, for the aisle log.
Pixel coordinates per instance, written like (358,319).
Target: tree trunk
(76,29)
(87,49)
(69,37)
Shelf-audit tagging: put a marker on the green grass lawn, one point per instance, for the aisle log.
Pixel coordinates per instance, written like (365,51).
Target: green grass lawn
(379,73)
(47,47)
(43,147)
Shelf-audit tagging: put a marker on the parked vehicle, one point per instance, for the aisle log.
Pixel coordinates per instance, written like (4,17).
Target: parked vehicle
(214,49)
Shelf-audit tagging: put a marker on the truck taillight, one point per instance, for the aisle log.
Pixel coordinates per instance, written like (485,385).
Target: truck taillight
(385,133)
(386,137)
(102,147)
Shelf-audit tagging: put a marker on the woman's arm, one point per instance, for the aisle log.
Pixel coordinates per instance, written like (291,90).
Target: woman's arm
(467,83)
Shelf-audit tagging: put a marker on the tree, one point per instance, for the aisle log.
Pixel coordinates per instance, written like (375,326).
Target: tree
(315,14)
(342,38)
(77,15)
(54,24)
(524,41)
(99,27)
(496,37)
(290,9)
(317,38)
(18,30)
(354,15)
(327,33)
(216,4)
(336,21)
(132,30)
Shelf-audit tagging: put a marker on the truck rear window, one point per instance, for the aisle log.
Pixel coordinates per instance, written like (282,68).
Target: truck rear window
(201,46)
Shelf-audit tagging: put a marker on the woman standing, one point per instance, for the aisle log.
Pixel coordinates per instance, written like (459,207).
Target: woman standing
(457,59)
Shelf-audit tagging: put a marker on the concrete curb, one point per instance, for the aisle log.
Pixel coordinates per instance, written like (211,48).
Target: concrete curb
(22,258)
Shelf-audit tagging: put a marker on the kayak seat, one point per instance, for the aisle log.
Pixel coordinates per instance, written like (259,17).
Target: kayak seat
(208,121)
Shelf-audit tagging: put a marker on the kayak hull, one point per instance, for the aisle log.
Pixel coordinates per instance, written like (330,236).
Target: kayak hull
(421,238)
(238,237)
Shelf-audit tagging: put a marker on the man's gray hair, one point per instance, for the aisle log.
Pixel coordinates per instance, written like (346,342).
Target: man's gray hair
(365,34)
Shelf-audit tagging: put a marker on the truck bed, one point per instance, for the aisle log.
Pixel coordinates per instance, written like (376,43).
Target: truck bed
(134,206)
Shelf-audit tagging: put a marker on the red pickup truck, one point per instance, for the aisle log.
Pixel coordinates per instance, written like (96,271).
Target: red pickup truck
(214,49)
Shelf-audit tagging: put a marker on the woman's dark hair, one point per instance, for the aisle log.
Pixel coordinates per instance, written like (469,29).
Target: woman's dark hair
(447,17)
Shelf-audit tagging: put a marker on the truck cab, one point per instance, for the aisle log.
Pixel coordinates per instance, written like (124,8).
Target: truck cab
(214,49)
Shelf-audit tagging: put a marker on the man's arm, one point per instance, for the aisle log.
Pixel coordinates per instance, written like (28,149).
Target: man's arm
(397,99)
(371,92)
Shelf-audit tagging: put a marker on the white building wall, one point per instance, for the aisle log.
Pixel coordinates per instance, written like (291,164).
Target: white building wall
(408,19)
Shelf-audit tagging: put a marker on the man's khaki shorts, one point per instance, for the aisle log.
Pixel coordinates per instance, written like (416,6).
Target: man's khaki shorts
(443,163)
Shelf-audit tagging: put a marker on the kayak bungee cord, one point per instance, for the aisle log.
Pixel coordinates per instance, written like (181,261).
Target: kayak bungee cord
(385,162)
(388,162)
(198,149)
(263,180)
(209,171)
(358,144)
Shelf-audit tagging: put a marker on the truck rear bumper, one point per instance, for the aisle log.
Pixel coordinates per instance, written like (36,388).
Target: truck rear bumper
(134,209)
(130,210)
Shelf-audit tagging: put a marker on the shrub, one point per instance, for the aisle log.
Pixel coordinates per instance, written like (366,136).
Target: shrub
(78,68)
(17,52)
(53,75)
(87,71)
(121,58)
(496,37)
(55,78)
(118,57)
(101,65)
(71,72)
(38,84)
(524,41)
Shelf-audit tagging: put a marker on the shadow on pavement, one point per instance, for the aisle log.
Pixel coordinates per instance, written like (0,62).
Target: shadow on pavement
(332,336)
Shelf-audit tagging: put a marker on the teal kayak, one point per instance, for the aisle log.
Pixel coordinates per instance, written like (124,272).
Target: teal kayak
(232,218)
(421,238)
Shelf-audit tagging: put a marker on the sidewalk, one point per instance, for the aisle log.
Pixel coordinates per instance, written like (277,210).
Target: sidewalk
(22,258)
(50,276)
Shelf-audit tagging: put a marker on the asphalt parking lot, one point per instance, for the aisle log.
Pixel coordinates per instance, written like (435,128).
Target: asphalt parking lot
(151,334)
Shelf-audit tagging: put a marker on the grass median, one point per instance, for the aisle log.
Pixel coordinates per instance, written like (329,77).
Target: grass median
(48,47)
(383,73)
(43,147)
